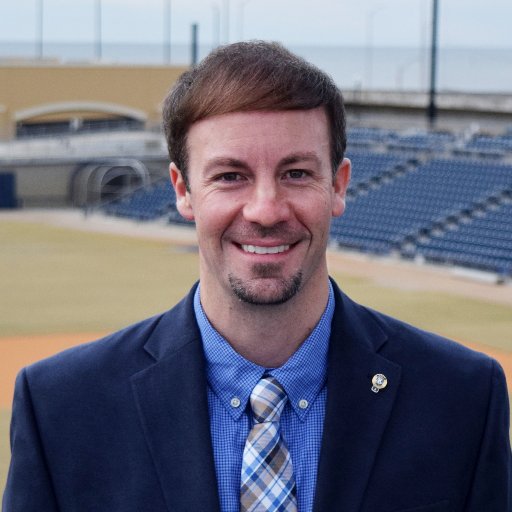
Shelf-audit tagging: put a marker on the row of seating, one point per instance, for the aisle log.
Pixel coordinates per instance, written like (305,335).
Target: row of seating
(484,243)
(486,142)
(477,145)
(372,167)
(417,141)
(147,203)
(417,201)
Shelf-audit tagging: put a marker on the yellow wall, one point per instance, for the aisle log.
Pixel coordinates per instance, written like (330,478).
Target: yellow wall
(28,85)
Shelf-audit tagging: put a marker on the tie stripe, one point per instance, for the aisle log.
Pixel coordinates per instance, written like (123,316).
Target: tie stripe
(267,483)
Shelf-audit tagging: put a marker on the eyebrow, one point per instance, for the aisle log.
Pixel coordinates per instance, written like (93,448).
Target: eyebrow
(294,158)
(233,163)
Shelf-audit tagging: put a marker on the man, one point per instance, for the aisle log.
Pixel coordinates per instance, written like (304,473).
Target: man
(266,388)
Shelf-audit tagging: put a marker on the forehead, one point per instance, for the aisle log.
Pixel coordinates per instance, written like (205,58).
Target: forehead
(259,135)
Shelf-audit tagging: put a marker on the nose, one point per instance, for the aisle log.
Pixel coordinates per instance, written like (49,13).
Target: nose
(266,205)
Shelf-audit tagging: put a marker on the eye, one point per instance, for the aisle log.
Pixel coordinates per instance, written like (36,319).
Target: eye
(296,174)
(230,176)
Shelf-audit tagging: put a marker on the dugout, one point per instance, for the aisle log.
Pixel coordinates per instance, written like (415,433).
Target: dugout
(8,197)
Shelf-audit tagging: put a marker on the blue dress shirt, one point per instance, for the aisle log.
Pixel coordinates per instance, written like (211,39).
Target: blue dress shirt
(231,379)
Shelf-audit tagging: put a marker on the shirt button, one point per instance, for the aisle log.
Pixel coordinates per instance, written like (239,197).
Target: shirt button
(303,404)
(235,402)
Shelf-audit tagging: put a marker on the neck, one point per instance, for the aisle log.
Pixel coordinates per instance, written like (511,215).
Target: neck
(266,335)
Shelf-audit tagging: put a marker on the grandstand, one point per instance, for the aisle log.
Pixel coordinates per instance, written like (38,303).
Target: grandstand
(430,196)
(153,202)
(148,203)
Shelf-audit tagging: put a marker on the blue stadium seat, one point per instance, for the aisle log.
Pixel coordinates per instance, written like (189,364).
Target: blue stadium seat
(148,203)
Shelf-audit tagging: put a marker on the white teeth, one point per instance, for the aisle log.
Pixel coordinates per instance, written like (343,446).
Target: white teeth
(265,250)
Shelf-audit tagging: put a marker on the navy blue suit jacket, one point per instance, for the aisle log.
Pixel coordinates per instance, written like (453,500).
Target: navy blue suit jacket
(122,424)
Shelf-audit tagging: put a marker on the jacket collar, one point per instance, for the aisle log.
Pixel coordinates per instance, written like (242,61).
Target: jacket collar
(356,417)
(172,403)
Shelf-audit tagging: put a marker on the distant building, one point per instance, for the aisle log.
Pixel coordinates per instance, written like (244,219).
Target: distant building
(47,97)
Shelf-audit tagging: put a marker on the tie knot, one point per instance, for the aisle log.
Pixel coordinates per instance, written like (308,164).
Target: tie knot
(267,400)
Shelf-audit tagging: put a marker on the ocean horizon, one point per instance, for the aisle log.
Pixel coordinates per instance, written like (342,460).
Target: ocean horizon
(468,70)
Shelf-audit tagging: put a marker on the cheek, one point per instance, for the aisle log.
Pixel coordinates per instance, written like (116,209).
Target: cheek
(213,217)
(317,208)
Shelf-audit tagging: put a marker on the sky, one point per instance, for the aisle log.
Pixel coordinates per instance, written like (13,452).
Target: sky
(403,23)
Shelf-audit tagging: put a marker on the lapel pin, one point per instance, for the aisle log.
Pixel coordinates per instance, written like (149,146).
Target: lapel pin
(379,381)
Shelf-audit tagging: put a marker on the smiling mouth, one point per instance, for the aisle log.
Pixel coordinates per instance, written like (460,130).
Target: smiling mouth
(256,249)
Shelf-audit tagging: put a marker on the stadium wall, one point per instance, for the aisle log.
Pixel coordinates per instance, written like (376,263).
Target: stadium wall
(51,182)
(52,92)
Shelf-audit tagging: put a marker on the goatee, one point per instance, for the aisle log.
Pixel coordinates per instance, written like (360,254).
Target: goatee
(283,289)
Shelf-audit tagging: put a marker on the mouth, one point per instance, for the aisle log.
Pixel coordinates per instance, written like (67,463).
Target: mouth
(258,249)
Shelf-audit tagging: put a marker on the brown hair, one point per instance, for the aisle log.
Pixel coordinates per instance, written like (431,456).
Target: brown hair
(250,76)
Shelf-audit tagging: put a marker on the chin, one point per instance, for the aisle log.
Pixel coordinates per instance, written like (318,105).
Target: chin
(266,291)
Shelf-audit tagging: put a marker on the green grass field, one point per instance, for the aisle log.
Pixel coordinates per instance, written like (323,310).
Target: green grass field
(460,318)
(64,281)
(58,280)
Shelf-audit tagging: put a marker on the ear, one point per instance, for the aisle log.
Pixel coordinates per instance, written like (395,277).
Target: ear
(183,200)
(341,181)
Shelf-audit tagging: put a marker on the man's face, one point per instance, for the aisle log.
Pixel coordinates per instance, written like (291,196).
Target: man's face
(262,195)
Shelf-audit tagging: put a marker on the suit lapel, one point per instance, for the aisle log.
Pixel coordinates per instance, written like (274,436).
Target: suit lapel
(355,416)
(171,398)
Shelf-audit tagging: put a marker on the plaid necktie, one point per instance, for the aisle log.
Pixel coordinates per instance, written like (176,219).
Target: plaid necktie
(267,484)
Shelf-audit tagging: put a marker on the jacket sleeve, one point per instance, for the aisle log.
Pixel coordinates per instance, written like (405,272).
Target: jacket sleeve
(29,487)
(492,477)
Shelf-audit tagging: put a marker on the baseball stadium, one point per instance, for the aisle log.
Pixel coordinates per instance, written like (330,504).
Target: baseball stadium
(91,240)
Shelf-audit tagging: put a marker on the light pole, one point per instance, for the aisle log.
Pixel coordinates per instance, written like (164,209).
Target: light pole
(432,107)
(39,28)
(167,32)
(98,44)
(195,43)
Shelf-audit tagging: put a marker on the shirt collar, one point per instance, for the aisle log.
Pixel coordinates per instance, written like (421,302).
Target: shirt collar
(232,377)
